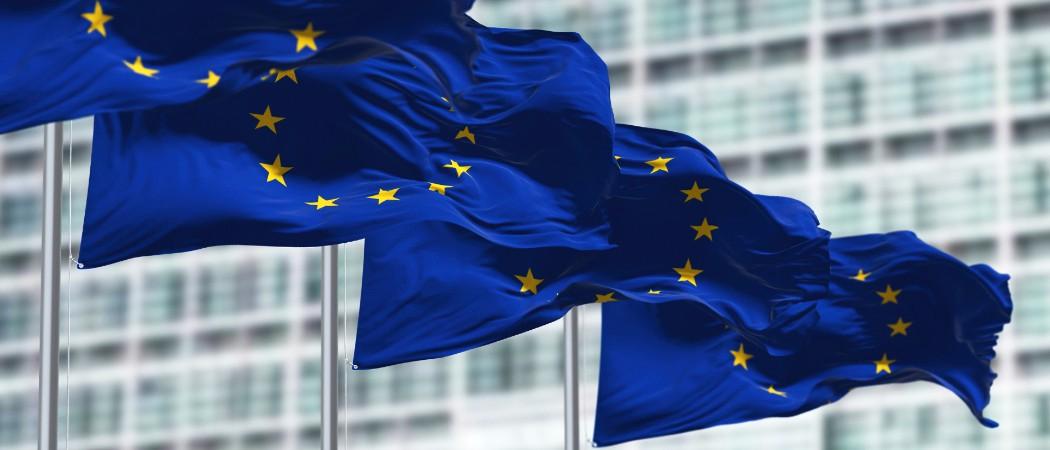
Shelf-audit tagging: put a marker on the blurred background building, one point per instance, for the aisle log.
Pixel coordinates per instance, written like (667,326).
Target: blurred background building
(881,114)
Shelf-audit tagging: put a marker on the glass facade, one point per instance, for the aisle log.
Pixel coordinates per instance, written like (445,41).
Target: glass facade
(931,115)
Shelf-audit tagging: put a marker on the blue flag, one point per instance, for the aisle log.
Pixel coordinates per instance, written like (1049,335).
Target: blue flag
(64,59)
(898,311)
(505,133)
(683,231)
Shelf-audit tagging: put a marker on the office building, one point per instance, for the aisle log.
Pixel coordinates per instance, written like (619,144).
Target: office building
(881,114)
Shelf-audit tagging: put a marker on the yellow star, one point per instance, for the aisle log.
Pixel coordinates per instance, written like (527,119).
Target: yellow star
(466,134)
(323,202)
(740,357)
(276,171)
(688,273)
(883,365)
(304,38)
(528,282)
(889,295)
(704,230)
(211,80)
(439,188)
(604,298)
(385,196)
(266,119)
(98,20)
(460,170)
(694,193)
(861,275)
(773,391)
(901,327)
(282,74)
(140,69)
(659,164)
(653,292)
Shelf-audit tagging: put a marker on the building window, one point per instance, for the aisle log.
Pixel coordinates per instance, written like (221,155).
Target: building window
(908,91)
(670,69)
(848,43)
(22,162)
(1030,18)
(784,162)
(847,206)
(848,154)
(723,116)
(95,410)
(784,53)
(911,145)
(845,102)
(156,405)
(728,60)
(163,299)
(779,13)
(909,35)
(1032,300)
(17,317)
(668,113)
(968,26)
(19,214)
(1030,75)
(844,8)
(236,394)
(782,110)
(970,138)
(309,397)
(668,20)
(606,25)
(16,419)
(421,380)
(1032,131)
(726,16)
(99,305)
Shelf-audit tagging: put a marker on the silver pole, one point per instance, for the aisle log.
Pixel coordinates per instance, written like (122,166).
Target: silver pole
(329,347)
(572,381)
(49,288)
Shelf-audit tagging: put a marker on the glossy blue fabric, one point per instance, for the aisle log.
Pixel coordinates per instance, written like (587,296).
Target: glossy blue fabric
(528,111)
(53,68)
(669,368)
(431,290)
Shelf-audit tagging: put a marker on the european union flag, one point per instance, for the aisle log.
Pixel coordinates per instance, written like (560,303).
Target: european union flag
(682,229)
(505,133)
(898,311)
(63,59)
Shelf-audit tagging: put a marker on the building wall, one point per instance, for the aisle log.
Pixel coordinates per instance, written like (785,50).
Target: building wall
(881,114)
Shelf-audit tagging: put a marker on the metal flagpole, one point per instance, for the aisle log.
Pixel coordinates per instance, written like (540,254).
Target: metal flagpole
(572,381)
(49,288)
(329,347)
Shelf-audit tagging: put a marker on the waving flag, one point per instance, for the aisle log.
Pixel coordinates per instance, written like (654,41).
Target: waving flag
(505,133)
(683,231)
(64,59)
(898,311)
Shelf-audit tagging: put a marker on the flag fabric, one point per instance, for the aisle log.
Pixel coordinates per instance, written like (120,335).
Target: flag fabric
(682,230)
(505,133)
(64,59)
(898,311)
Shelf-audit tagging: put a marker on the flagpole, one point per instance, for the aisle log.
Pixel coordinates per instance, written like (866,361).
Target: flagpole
(47,414)
(572,381)
(329,347)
